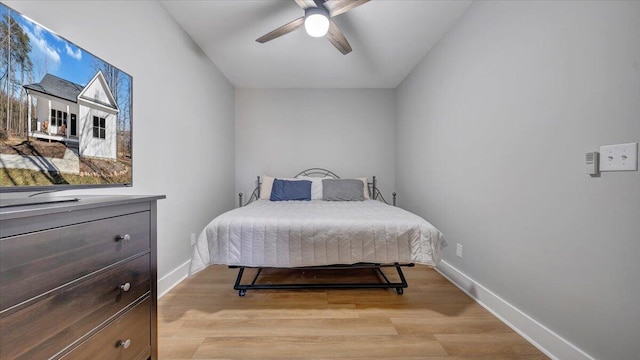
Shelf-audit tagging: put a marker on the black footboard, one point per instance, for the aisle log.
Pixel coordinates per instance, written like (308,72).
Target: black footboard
(383,284)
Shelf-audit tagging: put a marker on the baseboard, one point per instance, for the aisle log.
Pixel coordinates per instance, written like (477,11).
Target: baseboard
(550,343)
(173,278)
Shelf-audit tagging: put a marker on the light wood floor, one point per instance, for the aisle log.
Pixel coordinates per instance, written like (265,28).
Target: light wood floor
(204,318)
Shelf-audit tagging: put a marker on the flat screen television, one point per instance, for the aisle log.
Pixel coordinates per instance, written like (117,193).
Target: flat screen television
(65,114)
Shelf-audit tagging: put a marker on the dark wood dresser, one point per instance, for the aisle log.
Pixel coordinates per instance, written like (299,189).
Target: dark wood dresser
(78,279)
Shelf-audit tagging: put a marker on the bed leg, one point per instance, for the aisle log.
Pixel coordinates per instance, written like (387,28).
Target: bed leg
(241,292)
(242,289)
(403,280)
(399,290)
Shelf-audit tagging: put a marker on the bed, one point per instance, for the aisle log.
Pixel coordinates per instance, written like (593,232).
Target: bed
(318,234)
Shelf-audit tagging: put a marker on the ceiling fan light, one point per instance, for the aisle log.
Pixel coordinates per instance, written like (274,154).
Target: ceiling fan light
(316,23)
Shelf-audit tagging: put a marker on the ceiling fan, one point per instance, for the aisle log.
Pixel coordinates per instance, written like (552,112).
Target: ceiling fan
(317,21)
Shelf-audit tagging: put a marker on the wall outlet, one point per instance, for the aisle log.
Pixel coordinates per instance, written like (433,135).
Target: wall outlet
(592,163)
(459,251)
(193,239)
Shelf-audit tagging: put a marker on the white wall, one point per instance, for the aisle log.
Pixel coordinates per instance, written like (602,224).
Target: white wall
(492,129)
(280,132)
(183,111)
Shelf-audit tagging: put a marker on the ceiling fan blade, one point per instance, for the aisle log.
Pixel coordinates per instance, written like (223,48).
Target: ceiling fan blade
(336,37)
(304,4)
(282,30)
(337,7)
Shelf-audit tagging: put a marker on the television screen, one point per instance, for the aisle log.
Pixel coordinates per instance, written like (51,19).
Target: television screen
(65,115)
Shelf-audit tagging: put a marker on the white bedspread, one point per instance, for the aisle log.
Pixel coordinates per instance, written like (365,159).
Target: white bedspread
(310,233)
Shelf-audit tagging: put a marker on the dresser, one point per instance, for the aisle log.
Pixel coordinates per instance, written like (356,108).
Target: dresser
(78,279)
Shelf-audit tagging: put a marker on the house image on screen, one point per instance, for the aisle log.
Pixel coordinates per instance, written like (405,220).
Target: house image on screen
(83,117)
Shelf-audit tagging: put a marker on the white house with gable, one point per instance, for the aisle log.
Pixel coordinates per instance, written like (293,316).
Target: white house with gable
(80,116)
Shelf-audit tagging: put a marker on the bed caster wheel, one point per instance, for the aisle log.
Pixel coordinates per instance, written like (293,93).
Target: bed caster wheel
(242,292)
(400,291)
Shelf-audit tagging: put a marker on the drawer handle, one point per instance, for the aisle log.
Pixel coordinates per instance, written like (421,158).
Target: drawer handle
(125,287)
(124,344)
(125,237)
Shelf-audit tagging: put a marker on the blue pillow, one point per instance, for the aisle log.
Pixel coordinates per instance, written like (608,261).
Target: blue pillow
(290,190)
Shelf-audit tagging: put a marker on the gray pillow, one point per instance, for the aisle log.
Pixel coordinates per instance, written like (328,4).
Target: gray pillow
(342,190)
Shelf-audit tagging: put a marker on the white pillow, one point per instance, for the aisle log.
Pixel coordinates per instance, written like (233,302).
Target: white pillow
(265,187)
(316,185)
(366,188)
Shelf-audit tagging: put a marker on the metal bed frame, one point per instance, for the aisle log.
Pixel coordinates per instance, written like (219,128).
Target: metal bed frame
(374,194)
(385,284)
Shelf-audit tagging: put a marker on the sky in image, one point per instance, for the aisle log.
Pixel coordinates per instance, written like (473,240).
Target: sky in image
(51,53)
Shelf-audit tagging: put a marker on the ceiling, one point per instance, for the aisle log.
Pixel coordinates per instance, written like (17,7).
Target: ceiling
(388,37)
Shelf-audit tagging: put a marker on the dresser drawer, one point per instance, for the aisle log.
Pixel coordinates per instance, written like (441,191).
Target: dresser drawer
(35,263)
(128,337)
(48,326)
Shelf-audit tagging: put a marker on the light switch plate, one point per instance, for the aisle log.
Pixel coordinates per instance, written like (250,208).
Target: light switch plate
(621,157)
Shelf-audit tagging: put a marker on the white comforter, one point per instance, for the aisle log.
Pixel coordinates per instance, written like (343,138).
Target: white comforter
(310,233)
